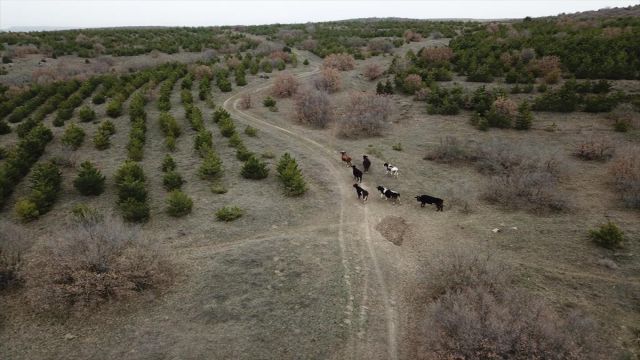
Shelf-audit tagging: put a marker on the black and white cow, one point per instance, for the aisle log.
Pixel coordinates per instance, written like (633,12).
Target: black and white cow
(389,194)
(391,170)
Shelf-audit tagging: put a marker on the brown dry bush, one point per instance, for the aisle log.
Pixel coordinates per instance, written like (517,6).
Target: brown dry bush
(547,67)
(600,149)
(521,177)
(202,71)
(473,312)
(450,150)
(13,245)
(245,101)
(328,80)
(309,44)
(437,54)
(313,107)
(341,62)
(279,55)
(366,114)
(410,35)
(95,260)
(21,51)
(373,71)
(284,85)
(625,170)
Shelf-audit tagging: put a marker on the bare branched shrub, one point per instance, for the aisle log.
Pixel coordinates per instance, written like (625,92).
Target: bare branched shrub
(527,54)
(314,107)
(380,45)
(245,101)
(437,54)
(329,80)
(284,85)
(450,150)
(600,149)
(21,51)
(625,171)
(202,71)
(410,35)
(279,55)
(96,259)
(505,107)
(13,244)
(412,83)
(521,178)
(422,94)
(373,71)
(309,44)
(341,62)
(366,114)
(474,312)
(547,67)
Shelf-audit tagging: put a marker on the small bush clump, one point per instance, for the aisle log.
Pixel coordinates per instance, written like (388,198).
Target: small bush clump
(179,204)
(211,167)
(229,213)
(608,236)
(90,180)
(168,164)
(86,114)
(291,176)
(366,114)
(251,131)
(172,181)
(12,247)
(132,195)
(625,171)
(269,102)
(73,136)
(254,169)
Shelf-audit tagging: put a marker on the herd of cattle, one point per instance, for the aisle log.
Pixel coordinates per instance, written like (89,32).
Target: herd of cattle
(385,193)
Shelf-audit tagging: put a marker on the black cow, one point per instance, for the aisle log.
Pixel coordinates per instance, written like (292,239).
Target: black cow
(366,163)
(362,193)
(389,194)
(426,199)
(357,174)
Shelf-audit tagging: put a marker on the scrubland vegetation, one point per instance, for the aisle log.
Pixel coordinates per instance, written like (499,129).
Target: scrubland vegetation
(527,129)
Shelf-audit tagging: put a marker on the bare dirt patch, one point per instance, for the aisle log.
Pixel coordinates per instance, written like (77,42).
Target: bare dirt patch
(393,229)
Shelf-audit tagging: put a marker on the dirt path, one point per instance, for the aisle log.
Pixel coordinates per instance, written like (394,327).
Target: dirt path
(351,245)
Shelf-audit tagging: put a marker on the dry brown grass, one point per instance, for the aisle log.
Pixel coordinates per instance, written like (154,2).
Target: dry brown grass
(13,244)
(366,115)
(450,150)
(95,260)
(284,85)
(473,311)
(625,170)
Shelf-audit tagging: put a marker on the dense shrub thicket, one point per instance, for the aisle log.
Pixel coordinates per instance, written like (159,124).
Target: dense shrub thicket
(20,159)
(46,181)
(587,48)
(132,192)
(126,42)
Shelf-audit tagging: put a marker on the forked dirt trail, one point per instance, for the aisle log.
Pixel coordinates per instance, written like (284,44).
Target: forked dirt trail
(371,313)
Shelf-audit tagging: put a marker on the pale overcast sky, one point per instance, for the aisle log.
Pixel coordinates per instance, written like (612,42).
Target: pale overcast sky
(90,13)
